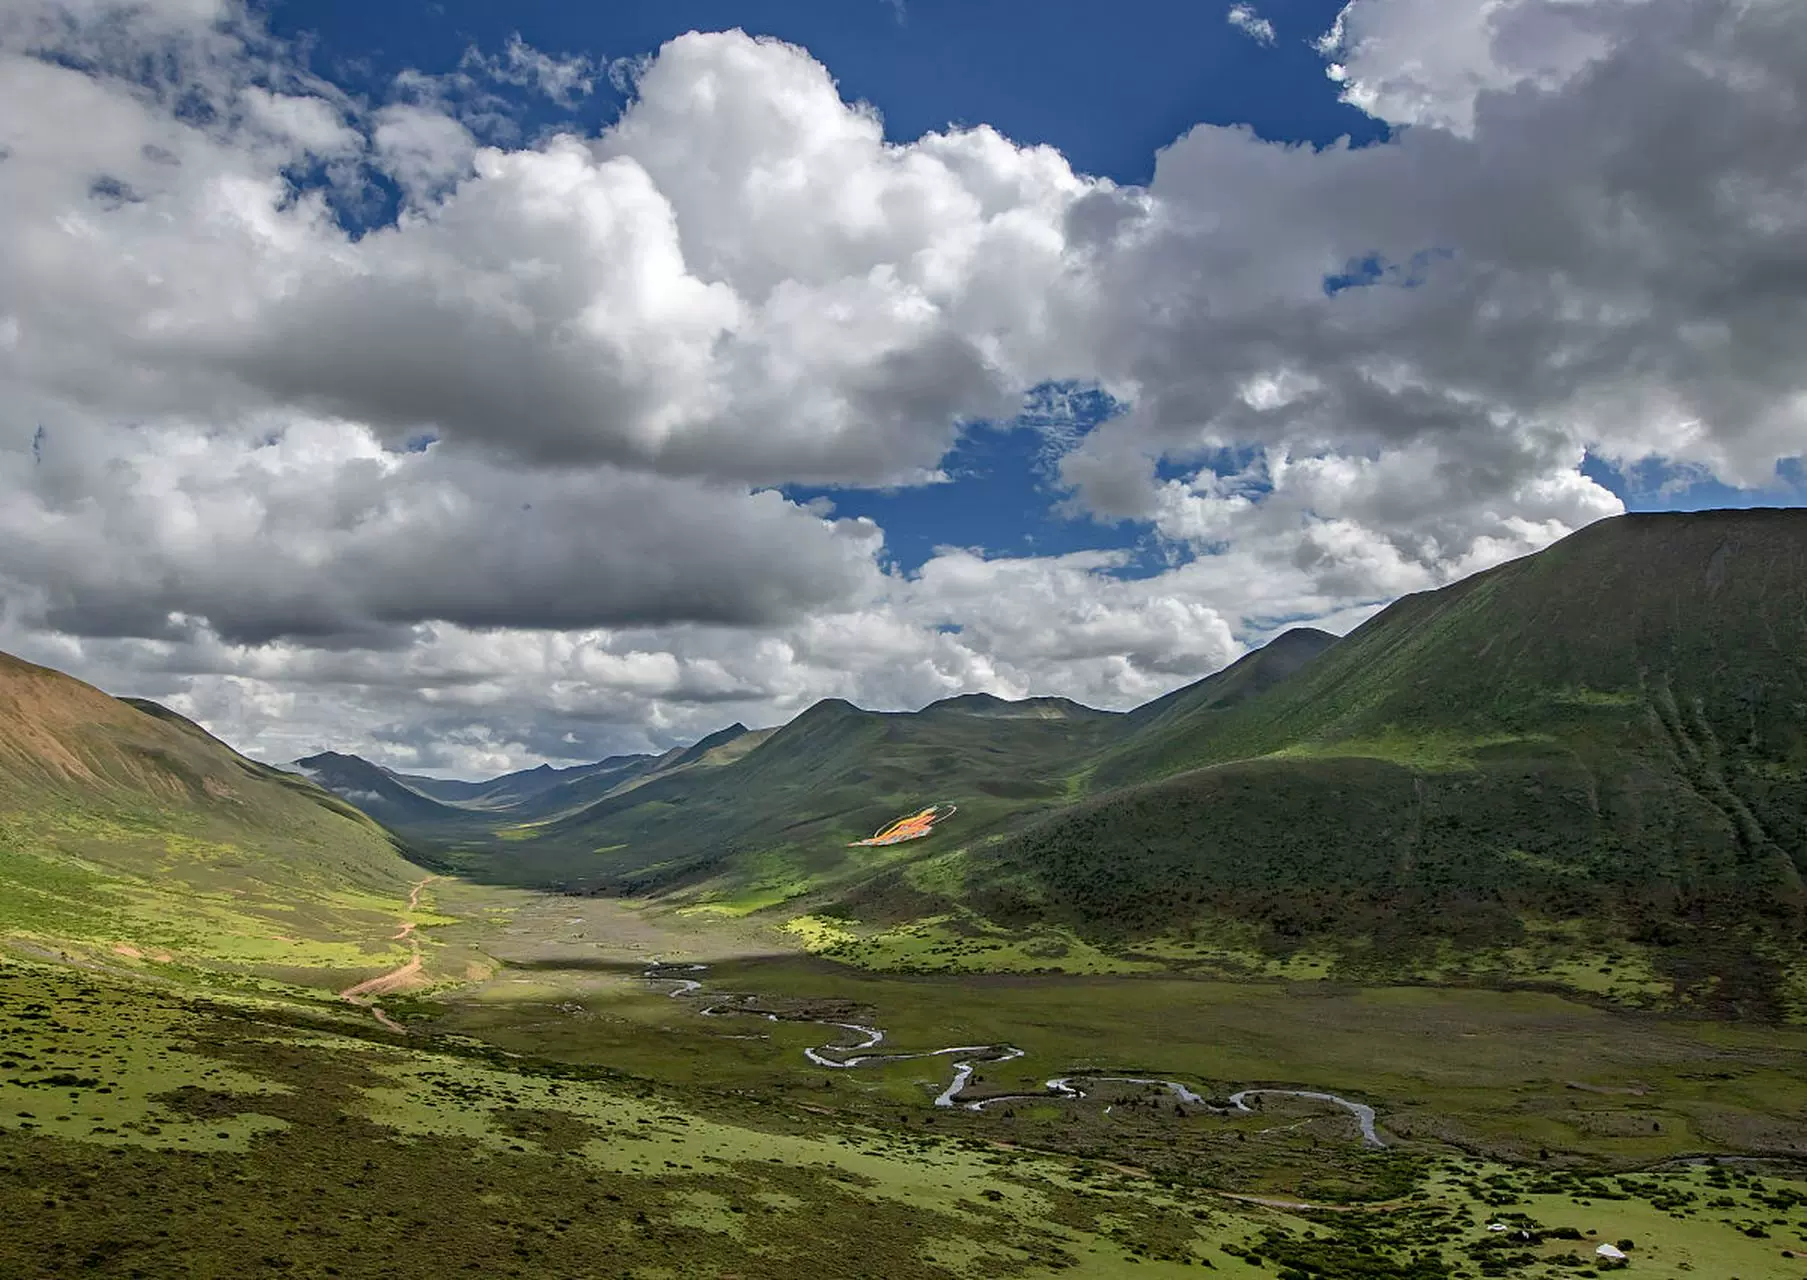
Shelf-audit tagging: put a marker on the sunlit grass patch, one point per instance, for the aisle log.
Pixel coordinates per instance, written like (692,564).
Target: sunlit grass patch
(961,943)
(1417,748)
(820,933)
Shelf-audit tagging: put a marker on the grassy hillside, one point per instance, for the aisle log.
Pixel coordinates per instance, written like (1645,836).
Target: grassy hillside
(768,822)
(1696,620)
(757,817)
(1612,730)
(127,831)
(1255,672)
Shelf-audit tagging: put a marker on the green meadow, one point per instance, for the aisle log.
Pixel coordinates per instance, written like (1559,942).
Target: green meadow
(588,1124)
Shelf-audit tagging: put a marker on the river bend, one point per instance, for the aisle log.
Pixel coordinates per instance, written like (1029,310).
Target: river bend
(841,1055)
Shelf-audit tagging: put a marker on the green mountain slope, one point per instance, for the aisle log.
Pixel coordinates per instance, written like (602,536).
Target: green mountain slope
(432,814)
(1612,730)
(772,812)
(1696,619)
(1606,741)
(126,830)
(1179,725)
(779,817)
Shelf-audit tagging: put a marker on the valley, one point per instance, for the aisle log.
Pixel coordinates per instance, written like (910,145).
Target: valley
(1358,958)
(903,640)
(569,1107)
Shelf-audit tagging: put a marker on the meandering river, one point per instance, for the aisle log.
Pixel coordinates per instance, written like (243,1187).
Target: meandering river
(843,1055)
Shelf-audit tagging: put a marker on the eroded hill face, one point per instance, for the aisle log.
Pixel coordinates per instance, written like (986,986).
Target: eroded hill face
(62,733)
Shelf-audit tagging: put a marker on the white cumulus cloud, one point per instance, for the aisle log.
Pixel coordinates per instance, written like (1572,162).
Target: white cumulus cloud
(502,478)
(1246,20)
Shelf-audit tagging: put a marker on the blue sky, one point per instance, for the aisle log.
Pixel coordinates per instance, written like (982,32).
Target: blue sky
(1108,85)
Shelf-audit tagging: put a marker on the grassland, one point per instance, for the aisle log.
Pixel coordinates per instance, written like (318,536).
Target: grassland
(637,1139)
(1520,1074)
(776,822)
(578,1121)
(284,1143)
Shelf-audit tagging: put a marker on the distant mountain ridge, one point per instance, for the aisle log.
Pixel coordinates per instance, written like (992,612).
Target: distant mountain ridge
(522,785)
(428,810)
(374,789)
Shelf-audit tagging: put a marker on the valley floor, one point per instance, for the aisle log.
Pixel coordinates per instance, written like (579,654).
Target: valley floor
(546,1110)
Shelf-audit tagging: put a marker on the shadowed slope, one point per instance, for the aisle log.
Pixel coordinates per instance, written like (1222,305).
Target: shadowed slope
(1614,728)
(375,790)
(512,790)
(1179,725)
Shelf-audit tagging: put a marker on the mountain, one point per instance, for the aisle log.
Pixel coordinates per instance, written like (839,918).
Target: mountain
(770,812)
(1605,741)
(986,704)
(1611,730)
(779,809)
(436,807)
(1255,672)
(434,814)
(1173,730)
(703,746)
(127,831)
(378,792)
(444,790)
(431,810)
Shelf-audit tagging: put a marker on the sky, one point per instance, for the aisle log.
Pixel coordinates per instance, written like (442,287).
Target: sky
(475,386)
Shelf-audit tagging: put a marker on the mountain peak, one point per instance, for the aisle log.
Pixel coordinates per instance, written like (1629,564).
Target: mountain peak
(972,702)
(989,704)
(829,709)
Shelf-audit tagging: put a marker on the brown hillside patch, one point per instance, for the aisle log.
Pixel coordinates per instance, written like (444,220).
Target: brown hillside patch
(62,730)
(45,712)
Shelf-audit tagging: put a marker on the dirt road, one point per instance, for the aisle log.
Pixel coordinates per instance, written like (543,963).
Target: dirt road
(399,978)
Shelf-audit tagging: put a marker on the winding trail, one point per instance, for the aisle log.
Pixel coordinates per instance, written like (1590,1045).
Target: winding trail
(397,979)
(838,1055)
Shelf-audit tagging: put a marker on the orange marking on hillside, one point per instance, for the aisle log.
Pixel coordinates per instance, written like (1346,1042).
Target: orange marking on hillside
(913,827)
